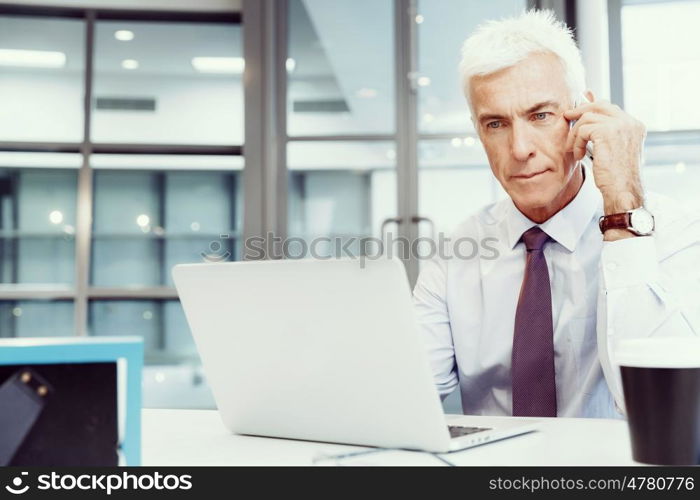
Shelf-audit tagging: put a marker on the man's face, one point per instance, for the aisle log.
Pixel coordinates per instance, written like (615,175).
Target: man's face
(518,115)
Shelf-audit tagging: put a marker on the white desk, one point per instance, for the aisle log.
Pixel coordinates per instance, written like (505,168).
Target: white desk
(198,437)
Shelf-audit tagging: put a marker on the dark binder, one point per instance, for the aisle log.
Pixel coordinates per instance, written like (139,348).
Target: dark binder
(59,415)
(22,399)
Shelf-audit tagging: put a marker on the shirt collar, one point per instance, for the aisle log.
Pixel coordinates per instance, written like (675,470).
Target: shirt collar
(566,226)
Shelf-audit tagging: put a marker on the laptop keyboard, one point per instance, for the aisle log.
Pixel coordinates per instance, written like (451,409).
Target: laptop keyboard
(459,431)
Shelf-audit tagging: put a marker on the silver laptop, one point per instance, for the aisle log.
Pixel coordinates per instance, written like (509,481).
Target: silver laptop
(323,350)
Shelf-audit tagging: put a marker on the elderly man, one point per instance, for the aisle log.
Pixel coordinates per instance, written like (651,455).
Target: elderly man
(585,257)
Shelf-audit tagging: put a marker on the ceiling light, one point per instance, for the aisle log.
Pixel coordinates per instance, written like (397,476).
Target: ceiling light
(469,141)
(230,65)
(291,65)
(456,142)
(367,93)
(32,58)
(130,64)
(56,217)
(143,220)
(419,19)
(424,81)
(124,35)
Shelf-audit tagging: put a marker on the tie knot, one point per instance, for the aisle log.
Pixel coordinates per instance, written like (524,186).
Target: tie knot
(534,238)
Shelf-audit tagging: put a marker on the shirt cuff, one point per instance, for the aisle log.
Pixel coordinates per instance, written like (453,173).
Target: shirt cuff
(629,262)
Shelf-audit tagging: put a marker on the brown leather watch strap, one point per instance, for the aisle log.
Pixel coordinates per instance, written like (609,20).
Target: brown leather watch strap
(614,221)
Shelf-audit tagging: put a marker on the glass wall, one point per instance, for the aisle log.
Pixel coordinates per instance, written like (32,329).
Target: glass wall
(173,83)
(340,190)
(660,81)
(161,323)
(36,318)
(159,86)
(37,218)
(340,83)
(42,66)
(340,74)
(454,177)
(147,221)
(661,73)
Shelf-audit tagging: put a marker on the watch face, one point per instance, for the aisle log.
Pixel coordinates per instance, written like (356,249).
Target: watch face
(642,221)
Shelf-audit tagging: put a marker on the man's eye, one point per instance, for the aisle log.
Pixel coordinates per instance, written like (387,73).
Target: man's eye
(495,124)
(541,116)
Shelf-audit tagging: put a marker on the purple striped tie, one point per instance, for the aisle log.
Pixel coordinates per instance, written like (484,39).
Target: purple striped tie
(532,368)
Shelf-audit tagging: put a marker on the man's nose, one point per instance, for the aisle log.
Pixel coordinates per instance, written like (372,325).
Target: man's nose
(522,142)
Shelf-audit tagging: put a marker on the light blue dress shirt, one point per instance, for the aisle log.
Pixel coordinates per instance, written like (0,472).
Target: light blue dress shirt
(601,292)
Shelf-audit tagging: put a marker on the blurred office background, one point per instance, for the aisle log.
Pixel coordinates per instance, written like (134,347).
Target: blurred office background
(138,134)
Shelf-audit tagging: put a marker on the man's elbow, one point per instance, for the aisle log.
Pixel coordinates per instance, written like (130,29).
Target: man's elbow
(446,387)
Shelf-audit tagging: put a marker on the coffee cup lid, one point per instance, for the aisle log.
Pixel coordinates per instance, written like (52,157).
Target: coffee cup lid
(659,352)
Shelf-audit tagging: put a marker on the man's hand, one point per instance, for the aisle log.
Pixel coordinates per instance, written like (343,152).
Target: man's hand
(617,139)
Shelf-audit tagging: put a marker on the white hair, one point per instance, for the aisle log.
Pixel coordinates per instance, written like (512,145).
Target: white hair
(496,45)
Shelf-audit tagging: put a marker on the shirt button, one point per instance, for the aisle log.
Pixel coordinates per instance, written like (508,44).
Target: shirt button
(611,266)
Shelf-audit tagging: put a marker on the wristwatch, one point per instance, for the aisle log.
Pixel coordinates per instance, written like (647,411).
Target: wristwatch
(638,221)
